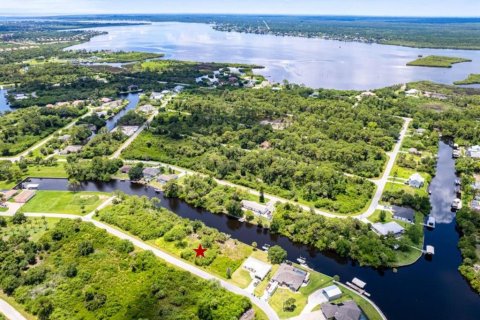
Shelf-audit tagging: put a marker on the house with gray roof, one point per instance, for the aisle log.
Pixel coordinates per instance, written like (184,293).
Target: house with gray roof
(384,229)
(403,214)
(348,310)
(291,277)
(150,173)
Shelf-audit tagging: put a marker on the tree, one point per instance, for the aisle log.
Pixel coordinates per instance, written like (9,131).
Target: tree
(289,305)
(136,173)
(19,218)
(234,208)
(73,184)
(171,189)
(262,195)
(254,245)
(229,273)
(276,254)
(383,216)
(3,222)
(44,308)
(85,248)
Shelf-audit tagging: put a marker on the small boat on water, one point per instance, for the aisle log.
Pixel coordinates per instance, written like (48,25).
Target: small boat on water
(157,190)
(266,247)
(301,260)
(457,204)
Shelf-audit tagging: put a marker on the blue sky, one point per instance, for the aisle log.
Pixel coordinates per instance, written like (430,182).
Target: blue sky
(315,7)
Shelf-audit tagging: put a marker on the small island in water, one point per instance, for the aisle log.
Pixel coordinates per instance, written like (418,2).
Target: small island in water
(437,61)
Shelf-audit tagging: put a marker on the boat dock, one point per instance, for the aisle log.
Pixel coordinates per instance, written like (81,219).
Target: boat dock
(359,286)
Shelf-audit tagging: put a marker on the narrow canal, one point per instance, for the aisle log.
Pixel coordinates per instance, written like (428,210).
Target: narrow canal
(133,99)
(429,289)
(4,105)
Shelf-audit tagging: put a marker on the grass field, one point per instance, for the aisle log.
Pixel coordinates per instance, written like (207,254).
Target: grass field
(57,171)
(471,79)
(280,296)
(65,202)
(437,61)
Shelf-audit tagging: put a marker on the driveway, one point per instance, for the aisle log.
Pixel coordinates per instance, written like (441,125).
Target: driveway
(314,300)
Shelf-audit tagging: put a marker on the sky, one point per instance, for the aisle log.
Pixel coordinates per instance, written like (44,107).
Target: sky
(443,8)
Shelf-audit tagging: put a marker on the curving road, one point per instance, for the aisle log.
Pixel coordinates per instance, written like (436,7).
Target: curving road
(380,183)
(164,256)
(10,312)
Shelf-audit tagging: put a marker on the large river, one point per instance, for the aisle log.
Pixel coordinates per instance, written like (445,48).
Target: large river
(313,62)
(429,289)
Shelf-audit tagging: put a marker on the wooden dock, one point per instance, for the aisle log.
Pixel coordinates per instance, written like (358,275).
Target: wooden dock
(359,286)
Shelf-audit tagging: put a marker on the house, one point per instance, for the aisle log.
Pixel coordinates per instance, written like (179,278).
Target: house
(20,96)
(414,151)
(475,205)
(133,88)
(412,93)
(291,277)
(403,213)
(156,96)
(164,178)
(420,131)
(102,114)
(178,89)
(106,100)
(332,292)
(385,229)
(71,149)
(258,208)
(416,181)
(150,173)
(368,94)
(24,196)
(474,152)
(258,268)
(348,310)
(125,169)
(148,108)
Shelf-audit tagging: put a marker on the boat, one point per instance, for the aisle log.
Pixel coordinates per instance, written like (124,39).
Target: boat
(157,190)
(266,247)
(301,260)
(456,204)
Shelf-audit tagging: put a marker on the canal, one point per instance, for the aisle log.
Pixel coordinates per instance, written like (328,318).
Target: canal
(428,289)
(133,99)
(4,105)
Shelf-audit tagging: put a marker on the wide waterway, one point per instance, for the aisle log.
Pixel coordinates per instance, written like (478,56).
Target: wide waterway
(4,105)
(313,62)
(428,289)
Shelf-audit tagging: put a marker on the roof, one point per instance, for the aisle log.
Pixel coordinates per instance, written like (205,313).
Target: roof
(259,268)
(416,177)
(347,310)
(73,148)
(254,206)
(151,171)
(403,212)
(290,276)
(167,177)
(332,291)
(386,228)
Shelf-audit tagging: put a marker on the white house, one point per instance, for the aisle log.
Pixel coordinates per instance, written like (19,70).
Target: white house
(474,152)
(384,229)
(257,208)
(156,96)
(332,292)
(416,181)
(258,268)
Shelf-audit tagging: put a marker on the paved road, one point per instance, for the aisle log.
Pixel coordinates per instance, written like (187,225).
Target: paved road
(170,259)
(380,183)
(137,133)
(10,312)
(383,181)
(44,141)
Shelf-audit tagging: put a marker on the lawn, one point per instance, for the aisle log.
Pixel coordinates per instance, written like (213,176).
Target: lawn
(471,79)
(280,296)
(437,61)
(57,171)
(241,278)
(78,203)
(397,186)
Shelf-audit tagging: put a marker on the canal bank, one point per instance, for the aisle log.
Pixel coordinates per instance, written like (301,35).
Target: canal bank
(414,292)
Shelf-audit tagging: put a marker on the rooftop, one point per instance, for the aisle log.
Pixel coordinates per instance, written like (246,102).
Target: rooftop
(386,228)
(290,276)
(257,267)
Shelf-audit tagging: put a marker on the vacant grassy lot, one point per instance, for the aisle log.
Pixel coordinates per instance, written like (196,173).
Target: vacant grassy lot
(437,61)
(65,202)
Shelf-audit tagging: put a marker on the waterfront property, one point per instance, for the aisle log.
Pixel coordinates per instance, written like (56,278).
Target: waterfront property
(474,152)
(291,277)
(348,310)
(164,178)
(150,173)
(332,292)
(385,229)
(24,196)
(71,149)
(403,214)
(416,181)
(257,208)
(257,268)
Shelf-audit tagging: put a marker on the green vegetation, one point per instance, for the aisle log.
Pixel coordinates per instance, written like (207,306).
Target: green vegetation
(13,173)
(284,142)
(471,79)
(93,269)
(64,202)
(103,144)
(23,128)
(469,223)
(178,236)
(437,61)
(97,169)
(120,56)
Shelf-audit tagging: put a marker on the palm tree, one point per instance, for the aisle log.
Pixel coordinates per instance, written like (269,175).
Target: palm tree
(73,184)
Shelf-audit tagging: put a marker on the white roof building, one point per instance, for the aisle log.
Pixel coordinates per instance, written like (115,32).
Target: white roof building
(474,152)
(416,180)
(156,96)
(262,209)
(258,268)
(332,292)
(384,229)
